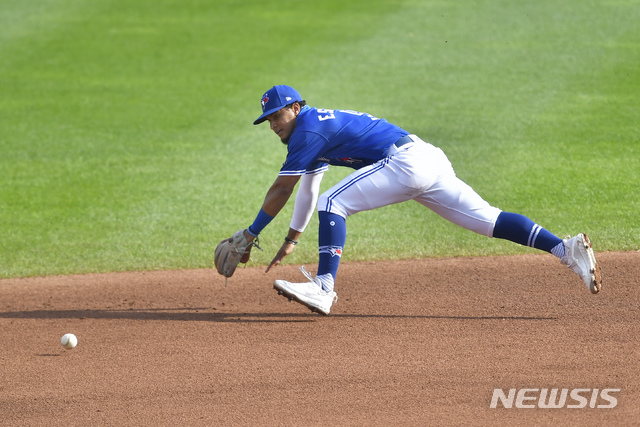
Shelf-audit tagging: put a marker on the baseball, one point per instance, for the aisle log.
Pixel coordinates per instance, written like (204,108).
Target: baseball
(69,341)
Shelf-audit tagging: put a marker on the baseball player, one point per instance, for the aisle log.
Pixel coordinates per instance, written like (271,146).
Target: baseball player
(391,166)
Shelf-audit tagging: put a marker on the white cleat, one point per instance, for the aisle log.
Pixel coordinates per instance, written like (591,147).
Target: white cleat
(309,294)
(580,258)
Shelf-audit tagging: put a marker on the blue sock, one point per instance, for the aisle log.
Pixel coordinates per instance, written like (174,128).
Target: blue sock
(332,234)
(520,229)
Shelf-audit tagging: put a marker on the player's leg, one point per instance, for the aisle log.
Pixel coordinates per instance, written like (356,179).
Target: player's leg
(332,235)
(367,188)
(576,253)
(520,229)
(456,201)
(383,183)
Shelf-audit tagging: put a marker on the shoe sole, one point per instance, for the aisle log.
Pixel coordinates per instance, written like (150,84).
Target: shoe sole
(596,273)
(293,297)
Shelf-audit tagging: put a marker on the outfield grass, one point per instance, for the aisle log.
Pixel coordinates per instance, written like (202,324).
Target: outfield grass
(127,144)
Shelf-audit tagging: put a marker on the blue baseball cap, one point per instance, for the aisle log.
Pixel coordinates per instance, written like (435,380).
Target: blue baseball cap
(276,98)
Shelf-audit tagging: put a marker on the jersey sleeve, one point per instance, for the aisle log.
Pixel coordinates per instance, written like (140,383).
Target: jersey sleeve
(303,153)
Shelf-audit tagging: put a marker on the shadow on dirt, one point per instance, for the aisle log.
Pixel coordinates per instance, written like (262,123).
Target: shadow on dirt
(205,315)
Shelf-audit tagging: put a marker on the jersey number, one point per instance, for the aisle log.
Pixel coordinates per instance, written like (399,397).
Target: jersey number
(329,114)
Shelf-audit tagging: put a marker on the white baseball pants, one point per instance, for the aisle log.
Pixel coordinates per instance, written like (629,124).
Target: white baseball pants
(418,171)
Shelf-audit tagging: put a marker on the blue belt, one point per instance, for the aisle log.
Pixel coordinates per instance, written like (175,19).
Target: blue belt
(404,140)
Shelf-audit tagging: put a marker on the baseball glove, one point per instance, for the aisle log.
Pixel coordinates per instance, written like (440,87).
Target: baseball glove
(231,252)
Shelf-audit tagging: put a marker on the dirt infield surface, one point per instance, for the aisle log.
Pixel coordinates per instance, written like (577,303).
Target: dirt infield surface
(409,343)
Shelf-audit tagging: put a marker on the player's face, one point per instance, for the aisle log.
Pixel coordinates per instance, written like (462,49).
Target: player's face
(283,121)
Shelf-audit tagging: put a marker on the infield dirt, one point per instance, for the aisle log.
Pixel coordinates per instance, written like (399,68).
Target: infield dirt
(410,343)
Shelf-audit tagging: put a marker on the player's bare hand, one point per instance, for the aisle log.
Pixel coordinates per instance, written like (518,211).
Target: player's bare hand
(285,250)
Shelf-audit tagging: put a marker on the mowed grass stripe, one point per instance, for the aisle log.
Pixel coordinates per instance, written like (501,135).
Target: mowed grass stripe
(128,142)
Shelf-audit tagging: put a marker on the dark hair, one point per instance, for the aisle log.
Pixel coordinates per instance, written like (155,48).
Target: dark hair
(300,103)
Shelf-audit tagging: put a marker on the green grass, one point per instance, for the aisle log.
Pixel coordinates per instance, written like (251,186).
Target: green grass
(127,144)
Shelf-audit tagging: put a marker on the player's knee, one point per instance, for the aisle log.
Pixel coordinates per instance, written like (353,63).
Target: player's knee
(322,202)
(331,205)
(481,221)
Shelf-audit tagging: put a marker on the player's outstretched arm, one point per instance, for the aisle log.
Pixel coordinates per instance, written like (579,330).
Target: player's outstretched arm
(305,203)
(279,194)
(274,201)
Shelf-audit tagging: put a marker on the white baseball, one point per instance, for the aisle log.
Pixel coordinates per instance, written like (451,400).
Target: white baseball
(69,341)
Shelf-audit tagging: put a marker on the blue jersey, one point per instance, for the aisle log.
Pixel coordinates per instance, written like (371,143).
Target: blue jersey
(337,137)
